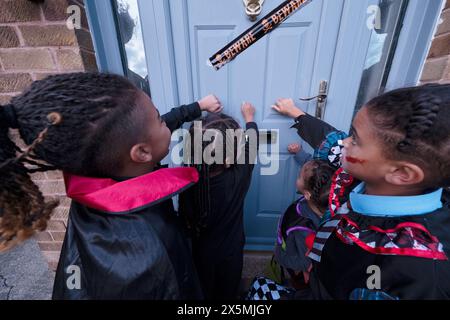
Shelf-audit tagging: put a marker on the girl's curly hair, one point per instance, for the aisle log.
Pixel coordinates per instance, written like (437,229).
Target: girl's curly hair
(69,123)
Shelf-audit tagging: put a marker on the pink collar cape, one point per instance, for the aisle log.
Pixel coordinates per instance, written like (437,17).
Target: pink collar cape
(112,196)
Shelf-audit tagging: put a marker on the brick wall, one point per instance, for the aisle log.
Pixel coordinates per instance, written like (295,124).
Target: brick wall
(35,42)
(437,66)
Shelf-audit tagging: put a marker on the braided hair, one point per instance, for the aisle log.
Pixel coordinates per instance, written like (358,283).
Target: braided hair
(414,125)
(70,122)
(318,182)
(200,193)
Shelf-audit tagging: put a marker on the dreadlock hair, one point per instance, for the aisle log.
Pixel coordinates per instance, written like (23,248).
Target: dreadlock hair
(318,182)
(220,123)
(71,122)
(414,125)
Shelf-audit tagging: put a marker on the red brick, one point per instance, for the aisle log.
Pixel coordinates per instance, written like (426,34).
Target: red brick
(8,38)
(54,175)
(69,60)
(50,246)
(14,82)
(84,39)
(52,187)
(446,77)
(89,61)
(51,35)
(440,46)
(56,225)
(58,236)
(43,75)
(44,236)
(38,176)
(61,213)
(19,11)
(444,27)
(434,69)
(55,10)
(27,59)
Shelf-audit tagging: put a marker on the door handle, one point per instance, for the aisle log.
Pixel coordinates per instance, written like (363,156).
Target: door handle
(253,8)
(321,99)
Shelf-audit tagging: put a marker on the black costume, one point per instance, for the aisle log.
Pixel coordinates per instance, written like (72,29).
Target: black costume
(407,238)
(124,236)
(218,247)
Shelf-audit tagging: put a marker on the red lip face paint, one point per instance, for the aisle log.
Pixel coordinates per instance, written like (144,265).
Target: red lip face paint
(354,160)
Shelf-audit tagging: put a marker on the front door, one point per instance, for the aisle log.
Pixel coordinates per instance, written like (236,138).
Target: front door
(289,62)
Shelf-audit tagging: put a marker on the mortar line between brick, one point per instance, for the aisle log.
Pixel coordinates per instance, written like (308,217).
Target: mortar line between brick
(54,58)
(41,12)
(34,23)
(436,37)
(19,36)
(29,71)
(14,93)
(436,58)
(44,47)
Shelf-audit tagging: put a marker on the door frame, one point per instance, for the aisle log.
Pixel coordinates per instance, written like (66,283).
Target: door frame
(419,25)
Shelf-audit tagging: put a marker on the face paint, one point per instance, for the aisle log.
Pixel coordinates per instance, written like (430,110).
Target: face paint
(354,160)
(264,26)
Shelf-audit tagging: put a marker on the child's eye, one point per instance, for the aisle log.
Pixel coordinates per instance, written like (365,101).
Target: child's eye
(354,142)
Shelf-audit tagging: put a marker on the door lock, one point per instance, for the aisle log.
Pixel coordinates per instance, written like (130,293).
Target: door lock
(253,8)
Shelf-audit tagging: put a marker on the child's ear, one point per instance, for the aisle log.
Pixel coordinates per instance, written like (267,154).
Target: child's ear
(141,153)
(307,195)
(405,173)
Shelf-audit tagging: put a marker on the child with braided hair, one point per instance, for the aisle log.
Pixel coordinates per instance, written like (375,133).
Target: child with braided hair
(214,208)
(123,239)
(301,220)
(394,221)
(296,230)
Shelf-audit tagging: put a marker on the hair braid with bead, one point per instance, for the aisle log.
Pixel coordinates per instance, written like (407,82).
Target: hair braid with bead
(69,122)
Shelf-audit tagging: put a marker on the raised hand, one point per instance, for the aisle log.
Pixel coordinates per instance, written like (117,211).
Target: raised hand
(211,104)
(294,148)
(248,112)
(288,108)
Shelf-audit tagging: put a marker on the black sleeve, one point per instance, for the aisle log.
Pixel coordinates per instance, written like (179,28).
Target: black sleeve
(250,152)
(185,113)
(312,130)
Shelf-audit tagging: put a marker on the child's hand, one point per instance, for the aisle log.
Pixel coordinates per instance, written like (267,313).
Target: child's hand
(287,107)
(307,273)
(294,148)
(211,104)
(248,112)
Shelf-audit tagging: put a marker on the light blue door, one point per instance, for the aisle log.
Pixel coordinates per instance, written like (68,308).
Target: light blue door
(290,62)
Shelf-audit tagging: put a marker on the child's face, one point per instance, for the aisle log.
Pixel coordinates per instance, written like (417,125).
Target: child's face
(158,135)
(362,156)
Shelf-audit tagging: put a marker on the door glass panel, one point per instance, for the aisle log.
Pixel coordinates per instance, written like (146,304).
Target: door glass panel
(383,41)
(131,42)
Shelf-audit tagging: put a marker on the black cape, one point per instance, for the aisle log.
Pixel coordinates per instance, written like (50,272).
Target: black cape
(124,239)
